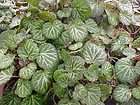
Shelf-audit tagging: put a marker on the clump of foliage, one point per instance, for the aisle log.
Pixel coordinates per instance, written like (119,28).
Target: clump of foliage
(70,52)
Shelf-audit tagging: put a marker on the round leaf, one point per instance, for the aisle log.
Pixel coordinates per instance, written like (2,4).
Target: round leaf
(68,102)
(28,50)
(27,72)
(32,100)
(6,60)
(37,31)
(77,30)
(92,26)
(91,74)
(88,95)
(122,93)
(48,57)
(40,81)
(23,88)
(6,74)
(125,70)
(52,30)
(94,54)
(136,93)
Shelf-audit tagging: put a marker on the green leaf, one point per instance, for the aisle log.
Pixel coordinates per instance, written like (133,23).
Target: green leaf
(125,18)
(68,102)
(106,90)
(94,54)
(48,57)
(77,30)
(136,43)
(65,39)
(122,93)
(75,68)
(88,95)
(9,39)
(33,2)
(6,60)
(83,8)
(136,92)
(122,42)
(113,16)
(59,90)
(6,74)
(26,22)
(107,70)
(28,71)
(37,30)
(61,78)
(47,16)
(92,26)
(131,102)
(96,7)
(40,81)
(52,30)
(129,52)
(64,13)
(91,74)
(75,63)
(125,70)
(28,50)
(10,99)
(75,46)
(3,50)
(65,55)
(23,88)
(32,100)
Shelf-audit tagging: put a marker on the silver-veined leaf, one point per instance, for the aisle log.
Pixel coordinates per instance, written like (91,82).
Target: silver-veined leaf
(28,71)
(92,26)
(131,102)
(123,40)
(32,100)
(65,13)
(40,81)
(94,54)
(6,60)
(60,91)
(83,8)
(65,39)
(107,70)
(52,30)
(9,39)
(37,30)
(113,16)
(75,63)
(6,74)
(129,52)
(75,68)
(61,78)
(77,30)
(68,102)
(23,88)
(125,70)
(91,73)
(75,46)
(89,95)
(136,93)
(28,50)
(48,57)
(106,90)
(122,93)
(10,99)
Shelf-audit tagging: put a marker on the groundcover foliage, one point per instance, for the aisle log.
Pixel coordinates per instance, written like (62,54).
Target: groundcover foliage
(70,52)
